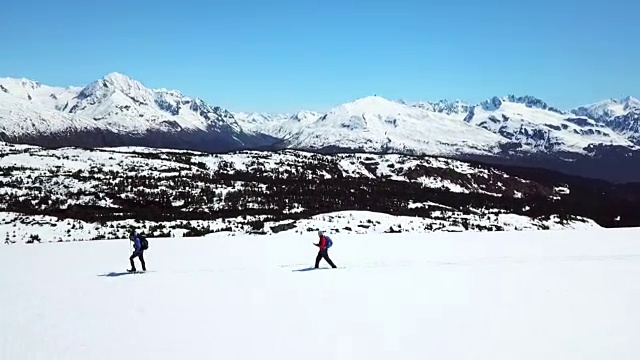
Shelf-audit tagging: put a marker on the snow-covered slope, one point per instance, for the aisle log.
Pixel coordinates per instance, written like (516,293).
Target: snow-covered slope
(119,106)
(455,108)
(49,97)
(608,109)
(276,125)
(377,124)
(622,116)
(19,116)
(537,127)
(568,295)
(440,128)
(126,105)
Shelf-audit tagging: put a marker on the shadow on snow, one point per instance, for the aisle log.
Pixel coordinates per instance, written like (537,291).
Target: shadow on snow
(116,274)
(310,269)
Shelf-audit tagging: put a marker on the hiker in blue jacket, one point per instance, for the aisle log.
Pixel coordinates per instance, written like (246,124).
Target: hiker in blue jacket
(324,244)
(138,251)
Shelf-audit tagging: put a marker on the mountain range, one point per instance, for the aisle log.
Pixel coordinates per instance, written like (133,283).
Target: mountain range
(600,140)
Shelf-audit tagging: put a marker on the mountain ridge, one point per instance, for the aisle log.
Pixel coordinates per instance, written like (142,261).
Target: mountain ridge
(117,110)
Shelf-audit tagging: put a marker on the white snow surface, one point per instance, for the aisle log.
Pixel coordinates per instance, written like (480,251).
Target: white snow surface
(533,295)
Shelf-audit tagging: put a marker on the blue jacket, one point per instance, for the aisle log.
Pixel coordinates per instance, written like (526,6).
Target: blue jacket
(136,242)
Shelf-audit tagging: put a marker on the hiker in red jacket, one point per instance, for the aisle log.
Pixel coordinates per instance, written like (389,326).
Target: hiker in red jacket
(324,244)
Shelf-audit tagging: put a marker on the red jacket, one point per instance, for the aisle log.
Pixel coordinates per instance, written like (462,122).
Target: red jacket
(323,242)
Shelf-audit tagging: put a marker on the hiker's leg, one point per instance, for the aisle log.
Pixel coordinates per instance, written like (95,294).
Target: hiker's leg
(141,256)
(133,256)
(327,259)
(318,258)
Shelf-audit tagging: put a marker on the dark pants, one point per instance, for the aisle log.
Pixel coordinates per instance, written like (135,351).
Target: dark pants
(140,255)
(322,254)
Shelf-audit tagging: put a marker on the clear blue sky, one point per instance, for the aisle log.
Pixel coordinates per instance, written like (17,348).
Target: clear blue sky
(284,55)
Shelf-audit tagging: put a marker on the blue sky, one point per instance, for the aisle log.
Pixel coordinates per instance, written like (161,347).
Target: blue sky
(281,56)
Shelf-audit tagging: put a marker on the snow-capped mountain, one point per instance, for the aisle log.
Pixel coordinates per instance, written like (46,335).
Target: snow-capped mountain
(376,124)
(454,108)
(276,125)
(119,111)
(622,116)
(115,110)
(36,93)
(608,109)
(126,105)
(518,130)
(535,126)
(443,128)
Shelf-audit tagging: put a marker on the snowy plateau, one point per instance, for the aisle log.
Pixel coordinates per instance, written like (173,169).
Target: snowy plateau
(569,294)
(72,194)
(599,140)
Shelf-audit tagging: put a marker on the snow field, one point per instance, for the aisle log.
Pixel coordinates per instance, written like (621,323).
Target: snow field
(528,295)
